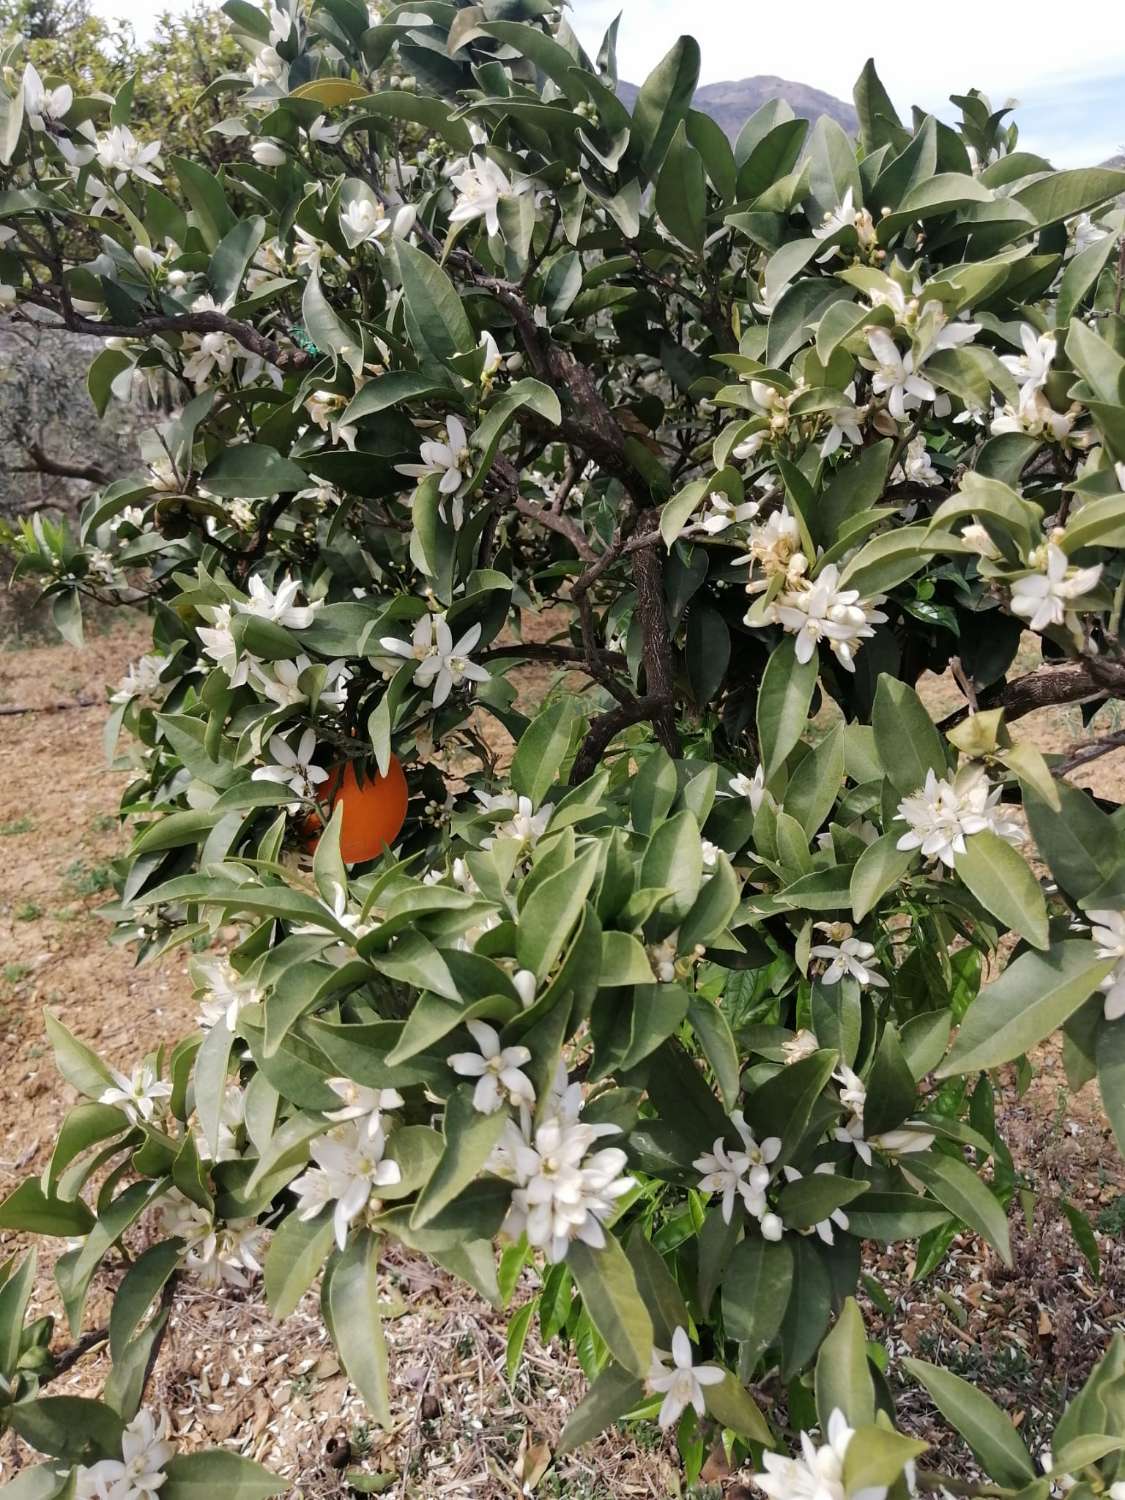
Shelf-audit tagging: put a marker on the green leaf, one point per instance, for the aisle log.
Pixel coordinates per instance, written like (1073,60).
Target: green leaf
(609,1294)
(517,1338)
(1002,881)
(613,1393)
(843,1376)
(212,1062)
(1111,1077)
(203,1476)
(1059,195)
(141,1285)
(72,1428)
(209,206)
(955,1184)
(551,913)
(1032,998)
(881,865)
(676,512)
(876,1457)
(996,1445)
(231,258)
(719,1046)
(469,1139)
(350,1297)
(43,1482)
(733,1407)
(15,1293)
(435,319)
(624,961)
(673,861)
(1081,843)
(327,329)
(809,1307)
(783,703)
(252,471)
(75,1061)
(755,1287)
(879,124)
(906,738)
(296,1255)
(29,1208)
(681,192)
(812,1199)
(542,749)
(663,102)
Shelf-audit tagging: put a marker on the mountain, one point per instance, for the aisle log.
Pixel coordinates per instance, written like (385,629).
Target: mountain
(732,104)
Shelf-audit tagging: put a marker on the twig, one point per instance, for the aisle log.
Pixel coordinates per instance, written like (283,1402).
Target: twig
(607,725)
(44,463)
(70,1356)
(1074,682)
(1093,749)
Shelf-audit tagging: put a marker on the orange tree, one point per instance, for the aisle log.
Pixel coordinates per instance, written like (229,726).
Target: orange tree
(680,1008)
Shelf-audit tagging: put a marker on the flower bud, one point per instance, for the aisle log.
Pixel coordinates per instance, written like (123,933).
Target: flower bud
(267,154)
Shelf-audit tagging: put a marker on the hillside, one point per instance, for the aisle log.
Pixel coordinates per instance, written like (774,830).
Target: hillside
(732,104)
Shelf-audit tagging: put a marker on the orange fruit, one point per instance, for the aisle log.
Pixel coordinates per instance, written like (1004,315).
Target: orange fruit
(374,809)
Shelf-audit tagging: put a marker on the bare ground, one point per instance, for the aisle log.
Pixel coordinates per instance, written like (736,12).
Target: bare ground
(230,1375)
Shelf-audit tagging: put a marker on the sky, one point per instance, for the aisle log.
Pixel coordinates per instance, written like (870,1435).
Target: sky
(1065,65)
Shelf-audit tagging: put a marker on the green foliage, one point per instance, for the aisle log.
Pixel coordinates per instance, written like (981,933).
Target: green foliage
(666,1006)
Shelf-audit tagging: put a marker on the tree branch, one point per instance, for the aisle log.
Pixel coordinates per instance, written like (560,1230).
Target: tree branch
(44,463)
(1074,682)
(603,729)
(1081,755)
(285,358)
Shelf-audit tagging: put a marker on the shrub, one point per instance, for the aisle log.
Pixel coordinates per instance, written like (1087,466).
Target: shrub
(682,1003)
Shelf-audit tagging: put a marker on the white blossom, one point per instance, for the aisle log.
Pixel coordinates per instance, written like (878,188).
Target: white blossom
(268,153)
(720,513)
(680,1382)
(753,788)
(525,825)
(350,1166)
(480,188)
(1036,416)
(846,954)
(798,1047)
(43,105)
(818,1474)
(496,1069)
(138,1094)
(847,422)
(743,1172)
(363,220)
(845,216)
(121,156)
(217,640)
(362,1104)
(218,1254)
(563,1191)
(895,375)
(1043,598)
(1032,367)
(442,662)
(917,466)
(943,813)
(142,680)
(292,765)
(227,992)
(451,460)
(278,607)
(1108,931)
(774,547)
(280,682)
(139,1473)
(822,611)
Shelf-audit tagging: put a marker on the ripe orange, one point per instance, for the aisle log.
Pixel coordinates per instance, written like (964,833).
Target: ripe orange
(374,809)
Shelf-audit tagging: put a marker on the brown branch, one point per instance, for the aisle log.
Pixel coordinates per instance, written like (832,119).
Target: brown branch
(44,463)
(648,578)
(70,1356)
(562,525)
(603,729)
(1092,750)
(1074,682)
(197,322)
(544,651)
